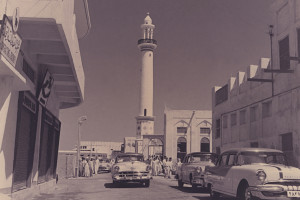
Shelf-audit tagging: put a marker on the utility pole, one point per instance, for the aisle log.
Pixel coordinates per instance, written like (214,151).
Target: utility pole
(80,121)
(189,126)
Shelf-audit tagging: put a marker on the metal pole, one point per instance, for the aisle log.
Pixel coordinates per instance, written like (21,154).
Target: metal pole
(271,36)
(78,149)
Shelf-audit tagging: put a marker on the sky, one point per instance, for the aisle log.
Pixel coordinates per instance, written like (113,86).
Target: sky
(201,43)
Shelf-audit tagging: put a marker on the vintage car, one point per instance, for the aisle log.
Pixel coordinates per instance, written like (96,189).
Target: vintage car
(192,168)
(130,167)
(104,165)
(253,173)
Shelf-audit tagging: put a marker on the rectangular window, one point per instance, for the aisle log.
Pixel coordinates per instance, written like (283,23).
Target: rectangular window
(231,159)
(225,121)
(253,113)
(254,144)
(205,130)
(266,109)
(218,150)
(233,119)
(181,129)
(242,117)
(287,142)
(27,69)
(218,128)
(284,53)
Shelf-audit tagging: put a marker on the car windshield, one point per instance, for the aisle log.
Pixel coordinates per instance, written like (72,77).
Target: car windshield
(202,158)
(247,158)
(129,158)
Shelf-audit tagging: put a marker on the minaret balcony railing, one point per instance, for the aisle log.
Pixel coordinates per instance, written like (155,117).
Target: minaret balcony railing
(141,41)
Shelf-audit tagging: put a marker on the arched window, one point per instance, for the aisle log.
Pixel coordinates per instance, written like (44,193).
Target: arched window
(204,145)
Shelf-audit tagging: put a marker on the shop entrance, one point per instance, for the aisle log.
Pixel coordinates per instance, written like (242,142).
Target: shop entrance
(205,145)
(25,141)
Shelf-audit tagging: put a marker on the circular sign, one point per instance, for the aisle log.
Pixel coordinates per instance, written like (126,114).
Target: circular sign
(16,19)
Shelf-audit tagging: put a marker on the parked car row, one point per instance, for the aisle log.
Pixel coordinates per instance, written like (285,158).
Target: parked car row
(243,173)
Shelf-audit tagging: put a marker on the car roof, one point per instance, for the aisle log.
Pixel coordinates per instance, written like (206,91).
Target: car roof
(203,153)
(239,150)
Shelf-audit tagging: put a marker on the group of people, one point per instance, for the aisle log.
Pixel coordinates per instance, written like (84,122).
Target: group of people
(88,166)
(164,165)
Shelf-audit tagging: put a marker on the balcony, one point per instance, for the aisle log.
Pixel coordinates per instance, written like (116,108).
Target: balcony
(152,41)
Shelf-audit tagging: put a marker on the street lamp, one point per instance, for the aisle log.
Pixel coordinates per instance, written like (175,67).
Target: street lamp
(80,121)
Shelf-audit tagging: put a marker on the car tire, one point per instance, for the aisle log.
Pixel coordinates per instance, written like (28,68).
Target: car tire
(213,195)
(180,183)
(147,183)
(243,193)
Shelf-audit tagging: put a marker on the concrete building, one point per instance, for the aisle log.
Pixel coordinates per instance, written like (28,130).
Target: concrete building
(40,73)
(260,107)
(187,131)
(99,148)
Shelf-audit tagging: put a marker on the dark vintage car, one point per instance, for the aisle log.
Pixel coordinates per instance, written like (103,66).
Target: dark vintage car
(253,173)
(192,168)
(130,167)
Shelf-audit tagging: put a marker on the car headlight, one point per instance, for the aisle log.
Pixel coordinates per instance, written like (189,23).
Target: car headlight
(116,168)
(261,175)
(199,170)
(148,168)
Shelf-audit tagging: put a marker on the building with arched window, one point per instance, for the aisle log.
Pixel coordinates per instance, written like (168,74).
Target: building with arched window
(187,131)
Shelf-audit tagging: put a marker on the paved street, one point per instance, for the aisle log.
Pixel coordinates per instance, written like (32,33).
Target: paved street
(101,187)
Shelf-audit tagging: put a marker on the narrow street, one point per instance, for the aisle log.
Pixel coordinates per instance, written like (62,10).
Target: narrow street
(101,187)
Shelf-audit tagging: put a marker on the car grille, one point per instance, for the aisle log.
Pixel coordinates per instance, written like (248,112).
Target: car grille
(132,174)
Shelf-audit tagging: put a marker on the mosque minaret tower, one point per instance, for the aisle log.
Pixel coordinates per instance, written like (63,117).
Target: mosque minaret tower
(145,120)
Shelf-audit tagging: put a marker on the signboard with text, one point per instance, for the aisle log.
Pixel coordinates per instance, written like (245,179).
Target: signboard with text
(46,89)
(10,42)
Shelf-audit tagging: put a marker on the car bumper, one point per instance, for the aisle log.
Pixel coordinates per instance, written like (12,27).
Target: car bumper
(275,192)
(198,180)
(139,177)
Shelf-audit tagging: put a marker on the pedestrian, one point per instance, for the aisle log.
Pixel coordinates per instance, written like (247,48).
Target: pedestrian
(86,168)
(97,163)
(80,171)
(169,165)
(90,162)
(164,166)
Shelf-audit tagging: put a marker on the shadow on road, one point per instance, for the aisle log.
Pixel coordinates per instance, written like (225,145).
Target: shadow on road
(190,189)
(123,185)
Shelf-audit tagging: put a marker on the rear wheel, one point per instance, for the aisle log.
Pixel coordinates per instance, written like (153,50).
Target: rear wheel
(180,183)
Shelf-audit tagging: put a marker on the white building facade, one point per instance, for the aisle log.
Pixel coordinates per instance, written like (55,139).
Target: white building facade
(187,131)
(250,110)
(41,72)
(99,148)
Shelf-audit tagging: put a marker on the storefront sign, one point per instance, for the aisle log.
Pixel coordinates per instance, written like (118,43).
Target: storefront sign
(10,42)
(46,89)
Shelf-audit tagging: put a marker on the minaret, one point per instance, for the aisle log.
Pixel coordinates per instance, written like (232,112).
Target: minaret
(145,120)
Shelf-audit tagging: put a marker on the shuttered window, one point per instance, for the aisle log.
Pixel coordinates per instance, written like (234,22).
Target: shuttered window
(284,53)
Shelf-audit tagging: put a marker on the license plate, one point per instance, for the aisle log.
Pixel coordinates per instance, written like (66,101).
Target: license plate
(293,193)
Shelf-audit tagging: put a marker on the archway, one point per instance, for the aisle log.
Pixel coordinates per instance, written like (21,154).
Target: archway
(181,148)
(204,145)
(155,147)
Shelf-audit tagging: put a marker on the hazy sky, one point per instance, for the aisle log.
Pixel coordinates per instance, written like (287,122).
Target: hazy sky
(201,43)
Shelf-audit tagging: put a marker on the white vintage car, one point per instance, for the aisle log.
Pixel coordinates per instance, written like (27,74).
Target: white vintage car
(130,167)
(253,173)
(192,168)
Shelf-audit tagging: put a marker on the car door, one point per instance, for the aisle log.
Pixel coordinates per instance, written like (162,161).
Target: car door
(228,173)
(184,168)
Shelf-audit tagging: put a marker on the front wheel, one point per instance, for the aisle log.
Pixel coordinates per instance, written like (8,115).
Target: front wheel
(180,183)
(213,195)
(147,183)
(244,193)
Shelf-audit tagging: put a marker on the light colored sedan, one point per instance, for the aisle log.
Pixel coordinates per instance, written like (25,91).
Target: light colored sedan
(253,173)
(192,168)
(130,167)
